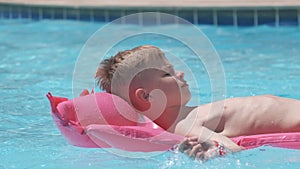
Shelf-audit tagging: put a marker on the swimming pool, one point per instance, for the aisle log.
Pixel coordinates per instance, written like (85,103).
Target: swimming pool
(39,56)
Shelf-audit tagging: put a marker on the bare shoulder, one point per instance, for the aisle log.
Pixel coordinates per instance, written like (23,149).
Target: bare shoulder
(184,126)
(196,118)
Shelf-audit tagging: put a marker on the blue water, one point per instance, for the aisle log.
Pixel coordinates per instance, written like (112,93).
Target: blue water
(39,56)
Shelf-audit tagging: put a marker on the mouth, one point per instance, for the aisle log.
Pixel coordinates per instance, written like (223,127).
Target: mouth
(185,84)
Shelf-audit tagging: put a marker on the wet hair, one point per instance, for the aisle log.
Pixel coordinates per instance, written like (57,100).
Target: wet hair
(108,67)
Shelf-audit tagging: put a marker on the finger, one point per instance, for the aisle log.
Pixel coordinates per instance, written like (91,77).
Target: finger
(206,145)
(186,144)
(187,151)
(200,155)
(195,149)
(211,154)
(193,139)
(182,145)
(192,144)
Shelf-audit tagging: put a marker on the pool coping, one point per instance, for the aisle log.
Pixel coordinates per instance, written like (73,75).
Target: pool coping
(225,15)
(146,4)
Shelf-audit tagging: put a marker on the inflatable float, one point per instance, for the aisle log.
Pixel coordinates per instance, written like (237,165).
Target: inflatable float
(103,120)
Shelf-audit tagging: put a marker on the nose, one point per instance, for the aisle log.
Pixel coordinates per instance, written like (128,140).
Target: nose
(180,74)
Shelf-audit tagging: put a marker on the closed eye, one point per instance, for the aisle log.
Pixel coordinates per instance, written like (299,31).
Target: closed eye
(167,74)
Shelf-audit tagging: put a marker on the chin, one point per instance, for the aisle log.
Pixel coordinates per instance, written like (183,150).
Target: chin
(186,97)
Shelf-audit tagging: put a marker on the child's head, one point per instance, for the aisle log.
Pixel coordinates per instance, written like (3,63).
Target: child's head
(143,76)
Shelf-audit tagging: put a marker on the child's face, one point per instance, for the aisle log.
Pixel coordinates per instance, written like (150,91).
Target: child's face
(167,80)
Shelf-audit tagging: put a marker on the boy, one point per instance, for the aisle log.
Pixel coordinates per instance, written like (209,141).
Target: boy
(146,79)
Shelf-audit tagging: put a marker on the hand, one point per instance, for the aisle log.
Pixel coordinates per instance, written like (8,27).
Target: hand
(202,150)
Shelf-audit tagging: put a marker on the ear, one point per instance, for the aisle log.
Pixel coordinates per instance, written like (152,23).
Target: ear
(141,100)
(141,95)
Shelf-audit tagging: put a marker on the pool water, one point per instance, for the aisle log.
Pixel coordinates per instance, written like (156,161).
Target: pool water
(39,56)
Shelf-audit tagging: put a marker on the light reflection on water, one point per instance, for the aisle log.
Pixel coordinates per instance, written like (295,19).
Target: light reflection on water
(37,57)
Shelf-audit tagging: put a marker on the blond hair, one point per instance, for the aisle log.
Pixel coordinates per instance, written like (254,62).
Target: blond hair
(115,73)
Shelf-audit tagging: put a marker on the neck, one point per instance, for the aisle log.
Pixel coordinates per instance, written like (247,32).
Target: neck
(171,116)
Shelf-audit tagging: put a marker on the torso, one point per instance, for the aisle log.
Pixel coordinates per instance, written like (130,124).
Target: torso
(247,116)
